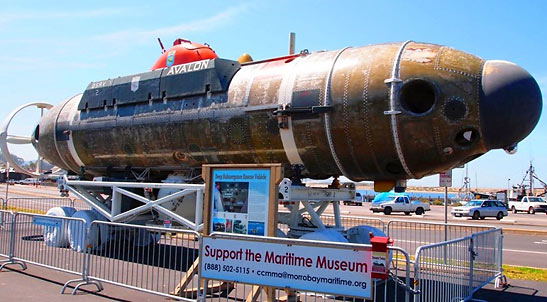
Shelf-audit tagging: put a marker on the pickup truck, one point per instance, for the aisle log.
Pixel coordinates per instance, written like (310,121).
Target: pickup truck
(400,204)
(529,204)
(358,201)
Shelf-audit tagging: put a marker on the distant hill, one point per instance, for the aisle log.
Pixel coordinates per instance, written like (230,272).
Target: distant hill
(27,164)
(18,159)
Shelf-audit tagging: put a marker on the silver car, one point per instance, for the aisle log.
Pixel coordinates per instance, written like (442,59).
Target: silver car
(481,209)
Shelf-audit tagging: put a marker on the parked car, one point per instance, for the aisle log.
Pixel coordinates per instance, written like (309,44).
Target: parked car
(399,203)
(529,204)
(481,209)
(30,181)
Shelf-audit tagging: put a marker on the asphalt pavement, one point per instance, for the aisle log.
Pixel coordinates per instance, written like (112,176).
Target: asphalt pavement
(40,284)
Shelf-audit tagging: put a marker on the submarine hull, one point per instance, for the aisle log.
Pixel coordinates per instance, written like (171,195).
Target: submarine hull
(380,112)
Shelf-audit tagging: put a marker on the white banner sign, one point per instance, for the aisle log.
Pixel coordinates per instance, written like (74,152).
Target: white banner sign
(319,269)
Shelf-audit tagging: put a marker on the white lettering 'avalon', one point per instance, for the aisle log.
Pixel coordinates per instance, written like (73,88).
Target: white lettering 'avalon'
(188,67)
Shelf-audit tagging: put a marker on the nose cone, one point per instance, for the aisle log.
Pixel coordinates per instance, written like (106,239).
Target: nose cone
(510,104)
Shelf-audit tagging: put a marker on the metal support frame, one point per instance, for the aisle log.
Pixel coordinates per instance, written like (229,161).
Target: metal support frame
(314,201)
(91,193)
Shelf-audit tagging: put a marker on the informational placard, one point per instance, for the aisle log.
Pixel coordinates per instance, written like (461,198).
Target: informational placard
(240,199)
(445,179)
(379,262)
(334,270)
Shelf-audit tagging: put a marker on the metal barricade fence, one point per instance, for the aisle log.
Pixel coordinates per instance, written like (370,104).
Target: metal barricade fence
(46,241)
(154,260)
(5,233)
(395,288)
(165,261)
(352,221)
(410,235)
(442,271)
(37,205)
(487,258)
(78,204)
(454,270)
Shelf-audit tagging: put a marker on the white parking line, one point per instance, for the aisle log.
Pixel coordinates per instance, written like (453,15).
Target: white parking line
(527,252)
(541,242)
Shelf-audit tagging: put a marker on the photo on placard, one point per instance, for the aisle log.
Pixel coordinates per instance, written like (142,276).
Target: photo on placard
(240,227)
(379,262)
(229,224)
(231,196)
(219,224)
(256,228)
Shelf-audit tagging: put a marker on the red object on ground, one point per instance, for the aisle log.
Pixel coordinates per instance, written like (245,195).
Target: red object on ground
(380,256)
(184,51)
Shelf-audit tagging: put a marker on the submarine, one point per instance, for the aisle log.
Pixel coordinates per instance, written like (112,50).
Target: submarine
(384,113)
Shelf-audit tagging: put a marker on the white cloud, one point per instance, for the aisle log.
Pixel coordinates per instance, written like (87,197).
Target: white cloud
(58,53)
(26,63)
(144,36)
(7,17)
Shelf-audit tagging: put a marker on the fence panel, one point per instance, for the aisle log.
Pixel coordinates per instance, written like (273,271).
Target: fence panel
(5,233)
(443,271)
(487,251)
(346,221)
(46,240)
(235,291)
(154,260)
(37,205)
(352,221)
(410,235)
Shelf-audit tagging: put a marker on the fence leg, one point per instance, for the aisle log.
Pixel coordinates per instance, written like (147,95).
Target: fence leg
(501,280)
(12,246)
(82,283)
(84,280)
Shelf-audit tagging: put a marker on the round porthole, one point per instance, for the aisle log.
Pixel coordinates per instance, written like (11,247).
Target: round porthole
(455,110)
(417,96)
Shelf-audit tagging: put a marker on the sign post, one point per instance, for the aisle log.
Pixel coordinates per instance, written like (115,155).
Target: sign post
(445,180)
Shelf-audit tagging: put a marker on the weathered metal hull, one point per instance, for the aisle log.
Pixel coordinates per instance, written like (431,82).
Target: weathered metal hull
(332,112)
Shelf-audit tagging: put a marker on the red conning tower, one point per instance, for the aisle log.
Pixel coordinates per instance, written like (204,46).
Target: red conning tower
(184,51)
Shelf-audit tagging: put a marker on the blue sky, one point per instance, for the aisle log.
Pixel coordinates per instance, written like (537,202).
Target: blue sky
(49,52)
